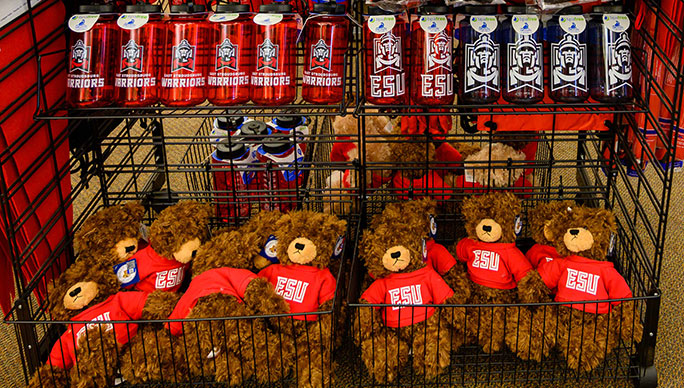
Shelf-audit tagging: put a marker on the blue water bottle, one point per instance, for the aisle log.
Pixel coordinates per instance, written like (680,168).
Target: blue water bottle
(523,58)
(567,36)
(610,48)
(479,56)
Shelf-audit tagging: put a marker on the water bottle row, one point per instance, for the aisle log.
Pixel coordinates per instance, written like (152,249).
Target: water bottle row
(497,56)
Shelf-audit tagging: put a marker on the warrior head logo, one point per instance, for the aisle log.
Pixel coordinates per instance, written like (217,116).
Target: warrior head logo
(80,57)
(267,55)
(525,67)
(387,52)
(320,56)
(618,62)
(482,64)
(183,57)
(439,52)
(569,63)
(131,56)
(226,55)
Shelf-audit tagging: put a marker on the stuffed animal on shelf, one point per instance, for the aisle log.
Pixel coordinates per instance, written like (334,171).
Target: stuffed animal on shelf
(113,229)
(499,272)
(587,332)
(175,237)
(230,350)
(86,355)
(537,218)
(306,242)
(394,253)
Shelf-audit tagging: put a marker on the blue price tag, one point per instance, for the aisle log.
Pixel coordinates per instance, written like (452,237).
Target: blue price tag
(268,252)
(127,272)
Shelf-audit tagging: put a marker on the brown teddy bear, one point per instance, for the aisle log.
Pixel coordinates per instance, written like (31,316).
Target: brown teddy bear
(395,254)
(113,229)
(175,237)
(499,272)
(537,218)
(587,332)
(306,241)
(87,354)
(230,350)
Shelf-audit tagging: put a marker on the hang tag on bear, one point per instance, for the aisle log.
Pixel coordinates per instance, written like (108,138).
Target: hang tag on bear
(433,227)
(611,245)
(518,225)
(127,272)
(425,252)
(145,232)
(268,252)
(339,248)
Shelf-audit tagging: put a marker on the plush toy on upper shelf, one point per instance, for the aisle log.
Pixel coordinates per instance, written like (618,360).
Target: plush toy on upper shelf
(583,237)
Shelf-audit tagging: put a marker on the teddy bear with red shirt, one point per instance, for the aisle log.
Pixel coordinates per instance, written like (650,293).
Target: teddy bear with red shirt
(175,237)
(86,355)
(537,218)
(306,242)
(588,331)
(230,350)
(498,271)
(394,252)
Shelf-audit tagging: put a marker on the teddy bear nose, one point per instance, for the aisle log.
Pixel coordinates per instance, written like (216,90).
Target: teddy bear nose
(395,255)
(75,292)
(194,253)
(130,248)
(299,246)
(487,228)
(574,232)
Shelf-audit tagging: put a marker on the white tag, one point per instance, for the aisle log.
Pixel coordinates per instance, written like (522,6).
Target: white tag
(525,24)
(381,24)
(484,24)
(268,19)
(433,226)
(214,352)
(433,24)
(223,17)
(424,251)
(132,21)
(518,225)
(573,24)
(468,175)
(82,23)
(616,22)
(145,232)
(611,246)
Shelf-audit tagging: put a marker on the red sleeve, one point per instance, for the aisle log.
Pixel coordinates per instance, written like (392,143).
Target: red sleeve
(241,280)
(375,294)
(440,290)
(328,284)
(551,272)
(533,255)
(439,257)
(340,151)
(61,355)
(132,303)
(447,153)
(517,264)
(267,272)
(616,285)
(463,249)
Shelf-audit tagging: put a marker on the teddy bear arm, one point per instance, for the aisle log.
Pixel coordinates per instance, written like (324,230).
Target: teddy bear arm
(159,305)
(261,296)
(369,322)
(625,321)
(458,281)
(48,376)
(532,289)
(97,356)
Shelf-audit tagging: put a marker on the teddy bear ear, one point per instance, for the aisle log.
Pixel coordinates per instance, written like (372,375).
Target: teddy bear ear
(514,203)
(135,209)
(608,219)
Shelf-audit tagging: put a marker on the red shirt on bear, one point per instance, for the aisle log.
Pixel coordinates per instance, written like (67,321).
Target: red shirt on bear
(578,279)
(423,286)
(493,265)
(229,281)
(122,306)
(157,272)
(540,253)
(304,287)
(438,257)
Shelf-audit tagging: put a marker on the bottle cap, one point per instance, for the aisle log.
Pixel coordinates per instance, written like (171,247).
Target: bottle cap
(571,10)
(96,8)
(480,9)
(232,149)
(375,10)
(608,8)
(277,144)
(331,8)
(143,8)
(254,130)
(289,121)
(516,9)
(229,123)
(275,8)
(187,8)
(232,8)
(433,9)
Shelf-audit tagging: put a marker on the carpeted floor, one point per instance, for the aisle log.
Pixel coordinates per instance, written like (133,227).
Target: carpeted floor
(670,348)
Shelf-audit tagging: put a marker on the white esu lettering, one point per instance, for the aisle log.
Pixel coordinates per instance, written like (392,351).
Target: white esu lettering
(486,260)
(291,289)
(100,318)
(582,281)
(405,295)
(169,279)
(388,85)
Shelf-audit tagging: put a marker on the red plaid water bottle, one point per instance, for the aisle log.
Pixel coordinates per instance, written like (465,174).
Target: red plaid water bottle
(141,34)
(233,46)
(273,79)
(91,57)
(432,79)
(283,172)
(325,44)
(385,36)
(186,57)
(230,163)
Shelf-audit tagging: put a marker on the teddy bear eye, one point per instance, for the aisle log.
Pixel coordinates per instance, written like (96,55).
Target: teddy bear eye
(194,253)
(130,248)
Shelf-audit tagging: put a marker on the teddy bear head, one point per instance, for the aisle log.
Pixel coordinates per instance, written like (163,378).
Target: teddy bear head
(582,231)
(540,215)
(179,230)
(491,165)
(232,248)
(395,242)
(308,238)
(413,154)
(84,284)
(114,229)
(491,217)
